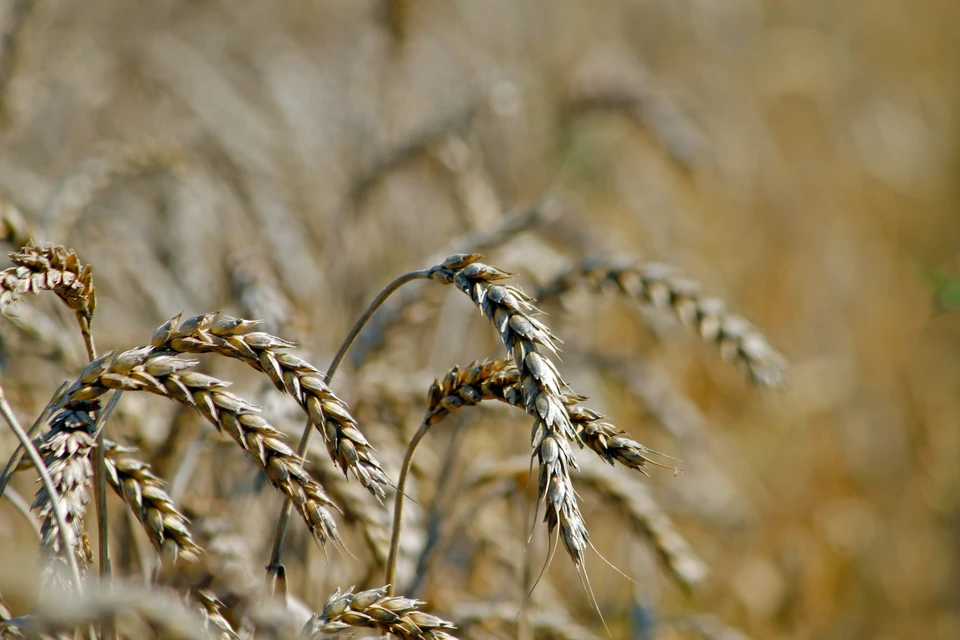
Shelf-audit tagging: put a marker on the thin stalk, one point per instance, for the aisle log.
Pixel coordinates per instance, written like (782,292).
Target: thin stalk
(23,507)
(398,505)
(274,568)
(41,420)
(67,543)
(100,478)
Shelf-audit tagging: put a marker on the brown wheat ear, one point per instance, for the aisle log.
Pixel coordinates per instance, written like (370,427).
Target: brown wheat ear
(500,380)
(234,338)
(49,268)
(164,374)
(374,609)
(661,287)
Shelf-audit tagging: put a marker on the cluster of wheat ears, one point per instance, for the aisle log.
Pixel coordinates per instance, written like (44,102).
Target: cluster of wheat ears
(69,447)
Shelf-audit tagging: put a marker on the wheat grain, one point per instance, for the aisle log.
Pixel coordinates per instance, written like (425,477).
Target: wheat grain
(374,609)
(232,337)
(164,374)
(659,286)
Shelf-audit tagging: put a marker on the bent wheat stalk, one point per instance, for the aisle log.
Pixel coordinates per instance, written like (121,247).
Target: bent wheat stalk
(659,286)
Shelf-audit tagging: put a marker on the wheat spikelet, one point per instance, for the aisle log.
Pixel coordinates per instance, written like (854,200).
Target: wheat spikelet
(374,609)
(509,309)
(163,373)
(49,268)
(66,454)
(660,286)
(232,337)
(135,483)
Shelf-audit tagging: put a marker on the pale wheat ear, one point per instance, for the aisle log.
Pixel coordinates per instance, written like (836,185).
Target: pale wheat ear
(661,287)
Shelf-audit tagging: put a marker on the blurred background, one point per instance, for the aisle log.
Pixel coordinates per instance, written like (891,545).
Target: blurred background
(287,159)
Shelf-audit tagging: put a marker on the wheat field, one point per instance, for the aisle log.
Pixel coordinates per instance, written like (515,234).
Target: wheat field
(480,320)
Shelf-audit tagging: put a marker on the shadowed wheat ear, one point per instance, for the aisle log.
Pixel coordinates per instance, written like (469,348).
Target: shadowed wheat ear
(510,311)
(143,492)
(164,374)
(65,450)
(233,338)
(660,286)
(374,609)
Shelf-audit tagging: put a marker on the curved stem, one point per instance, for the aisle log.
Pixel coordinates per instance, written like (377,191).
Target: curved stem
(66,533)
(274,567)
(398,505)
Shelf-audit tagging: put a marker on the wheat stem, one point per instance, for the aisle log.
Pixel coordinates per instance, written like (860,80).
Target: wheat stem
(398,504)
(280,533)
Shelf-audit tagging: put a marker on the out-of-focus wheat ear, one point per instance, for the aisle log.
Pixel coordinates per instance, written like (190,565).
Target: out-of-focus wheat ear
(94,175)
(632,498)
(234,338)
(164,373)
(7,631)
(143,492)
(211,608)
(15,227)
(374,609)
(65,449)
(660,286)
(511,313)
(163,612)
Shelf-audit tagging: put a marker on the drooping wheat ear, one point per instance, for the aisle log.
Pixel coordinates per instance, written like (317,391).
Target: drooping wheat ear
(66,454)
(233,338)
(641,510)
(374,609)
(49,268)
(660,286)
(509,310)
(500,380)
(15,228)
(163,373)
(136,484)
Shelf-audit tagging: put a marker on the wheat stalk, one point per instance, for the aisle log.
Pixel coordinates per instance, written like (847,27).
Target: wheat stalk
(164,374)
(509,310)
(232,337)
(659,286)
(374,609)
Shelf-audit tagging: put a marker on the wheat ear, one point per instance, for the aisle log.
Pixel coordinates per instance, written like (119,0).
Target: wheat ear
(509,310)
(374,609)
(660,286)
(136,484)
(234,338)
(164,374)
